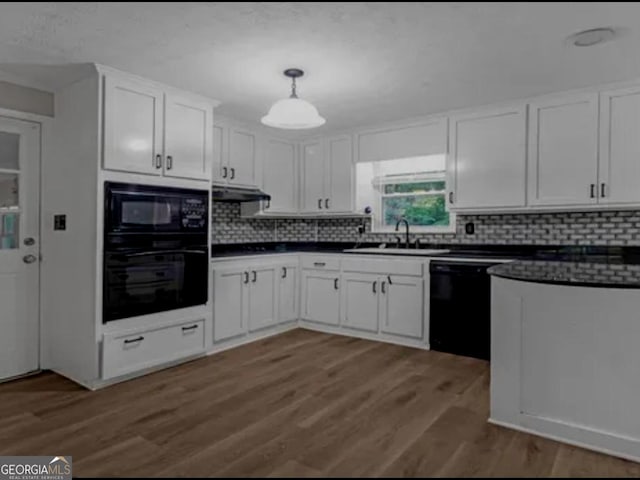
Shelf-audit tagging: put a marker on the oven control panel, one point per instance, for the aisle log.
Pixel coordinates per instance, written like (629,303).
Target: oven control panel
(194,213)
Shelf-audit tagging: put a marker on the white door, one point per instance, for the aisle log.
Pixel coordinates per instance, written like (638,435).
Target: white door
(188,138)
(242,158)
(620,146)
(360,301)
(339,165)
(280,177)
(19,247)
(220,154)
(488,159)
(133,126)
(401,305)
(263,298)
(313,178)
(230,302)
(563,151)
(288,294)
(321,296)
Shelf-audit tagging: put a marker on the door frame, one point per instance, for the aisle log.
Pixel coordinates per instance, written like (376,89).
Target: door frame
(46,146)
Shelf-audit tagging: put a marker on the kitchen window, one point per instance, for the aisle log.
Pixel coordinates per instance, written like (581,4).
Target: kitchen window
(412,188)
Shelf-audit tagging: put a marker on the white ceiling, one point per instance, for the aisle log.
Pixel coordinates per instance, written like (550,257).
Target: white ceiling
(365,62)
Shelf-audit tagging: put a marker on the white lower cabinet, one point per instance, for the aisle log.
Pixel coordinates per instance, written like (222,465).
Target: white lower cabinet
(288,310)
(128,353)
(402,306)
(251,296)
(230,302)
(360,294)
(263,298)
(321,296)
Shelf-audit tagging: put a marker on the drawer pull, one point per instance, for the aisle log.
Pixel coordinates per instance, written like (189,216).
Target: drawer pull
(133,340)
(187,329)
(319,264)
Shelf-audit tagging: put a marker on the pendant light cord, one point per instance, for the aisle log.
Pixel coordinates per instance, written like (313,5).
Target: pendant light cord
(293,88)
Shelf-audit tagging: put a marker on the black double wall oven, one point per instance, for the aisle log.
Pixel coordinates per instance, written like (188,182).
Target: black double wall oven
(155,249)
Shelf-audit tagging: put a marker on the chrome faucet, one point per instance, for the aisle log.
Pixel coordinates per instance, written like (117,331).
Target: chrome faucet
(406,224)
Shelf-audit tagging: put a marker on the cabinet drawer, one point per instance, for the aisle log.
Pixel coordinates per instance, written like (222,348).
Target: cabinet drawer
(122,354)
(381,266)
(320,262)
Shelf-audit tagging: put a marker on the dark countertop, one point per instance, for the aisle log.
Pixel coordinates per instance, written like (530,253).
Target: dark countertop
(588,271)
(516,252)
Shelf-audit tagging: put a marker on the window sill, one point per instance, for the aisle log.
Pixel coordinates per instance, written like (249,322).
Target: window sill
(413,230)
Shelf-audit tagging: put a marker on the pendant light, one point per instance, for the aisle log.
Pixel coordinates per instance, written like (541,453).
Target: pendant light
(293,113)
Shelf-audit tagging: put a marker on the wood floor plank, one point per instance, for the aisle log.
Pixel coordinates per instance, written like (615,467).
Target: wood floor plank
(299,404)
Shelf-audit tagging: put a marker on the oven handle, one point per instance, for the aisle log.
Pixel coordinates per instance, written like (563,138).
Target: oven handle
(161,252)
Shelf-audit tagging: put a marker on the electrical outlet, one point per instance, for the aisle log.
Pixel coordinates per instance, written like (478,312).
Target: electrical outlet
(469,228)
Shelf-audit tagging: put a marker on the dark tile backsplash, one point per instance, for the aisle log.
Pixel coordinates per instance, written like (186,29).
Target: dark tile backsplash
(619,228)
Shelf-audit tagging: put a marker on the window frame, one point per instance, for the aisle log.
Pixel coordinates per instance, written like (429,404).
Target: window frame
(377,225)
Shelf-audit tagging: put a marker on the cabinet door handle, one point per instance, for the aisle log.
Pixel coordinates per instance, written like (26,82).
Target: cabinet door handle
(134,340)
(246,277)
(319,264)
(593,190)
(451,197)
(335,284)
(158,161)
(268,205)
(320,203)
(255,277)
(382,287)
(326,203)
(233,173)
(374,286)
(224,172)
(389,279)
(169,162)
(602,190)
(284,272)
(192,327)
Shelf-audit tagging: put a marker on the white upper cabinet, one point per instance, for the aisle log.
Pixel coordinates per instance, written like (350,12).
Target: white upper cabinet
(243,161)
(327,175)
(426,138)
(339,174)
(313,177)
(620,147)
(133,126)
(220,155)
(188,138)
(148,130)
(280,176)
(563,150)
(487,164)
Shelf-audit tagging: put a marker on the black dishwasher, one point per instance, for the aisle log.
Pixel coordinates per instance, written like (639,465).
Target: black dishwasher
(460,308)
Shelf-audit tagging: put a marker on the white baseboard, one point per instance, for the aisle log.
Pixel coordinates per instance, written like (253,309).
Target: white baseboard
(568,441)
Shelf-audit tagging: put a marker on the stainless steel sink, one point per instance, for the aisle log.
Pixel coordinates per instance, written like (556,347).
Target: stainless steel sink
(396,251)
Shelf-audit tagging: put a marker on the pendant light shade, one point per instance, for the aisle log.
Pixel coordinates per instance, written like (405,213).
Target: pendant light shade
(293,112)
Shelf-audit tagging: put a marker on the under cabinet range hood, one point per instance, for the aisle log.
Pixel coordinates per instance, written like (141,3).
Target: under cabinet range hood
(235,194)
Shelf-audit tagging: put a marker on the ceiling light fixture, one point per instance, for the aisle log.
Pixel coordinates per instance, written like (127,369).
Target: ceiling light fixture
(293,113)
(591,37)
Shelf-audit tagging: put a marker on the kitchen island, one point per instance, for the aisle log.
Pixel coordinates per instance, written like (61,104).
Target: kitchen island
(565,362)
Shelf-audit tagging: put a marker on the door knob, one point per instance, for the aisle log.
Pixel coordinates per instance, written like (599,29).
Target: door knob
(29,258)
(29,241)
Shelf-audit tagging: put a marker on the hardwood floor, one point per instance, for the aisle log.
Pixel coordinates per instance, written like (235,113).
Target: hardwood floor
(302,404)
